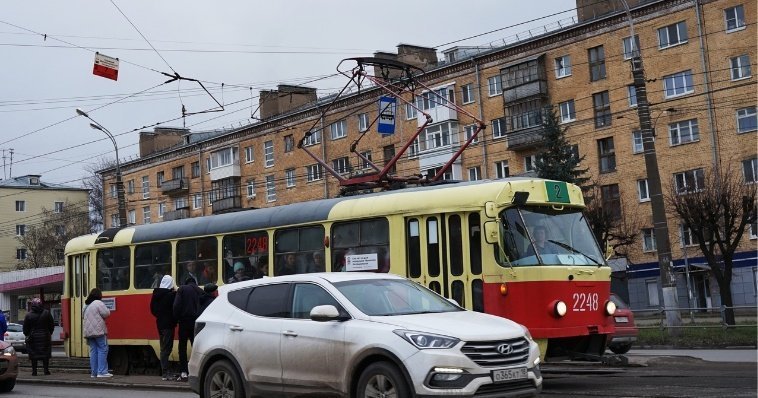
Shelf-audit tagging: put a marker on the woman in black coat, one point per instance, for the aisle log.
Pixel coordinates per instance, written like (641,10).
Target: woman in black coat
(38,329)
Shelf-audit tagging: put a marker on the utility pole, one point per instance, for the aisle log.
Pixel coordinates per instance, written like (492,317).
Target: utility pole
(660,224)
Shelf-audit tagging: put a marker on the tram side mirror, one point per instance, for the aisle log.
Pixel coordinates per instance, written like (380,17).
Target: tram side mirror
(490,209)
(491,232)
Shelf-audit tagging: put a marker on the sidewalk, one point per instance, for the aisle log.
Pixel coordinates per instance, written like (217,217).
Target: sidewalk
(81,377)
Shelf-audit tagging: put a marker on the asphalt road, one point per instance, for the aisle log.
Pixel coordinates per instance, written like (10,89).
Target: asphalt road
(24,390)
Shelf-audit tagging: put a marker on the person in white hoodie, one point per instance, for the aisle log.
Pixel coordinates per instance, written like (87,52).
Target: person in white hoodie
(96,333)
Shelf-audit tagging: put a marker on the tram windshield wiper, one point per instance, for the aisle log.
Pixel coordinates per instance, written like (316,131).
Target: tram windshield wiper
(573,250)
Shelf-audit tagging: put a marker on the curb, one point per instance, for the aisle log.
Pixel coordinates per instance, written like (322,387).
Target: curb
(109,382)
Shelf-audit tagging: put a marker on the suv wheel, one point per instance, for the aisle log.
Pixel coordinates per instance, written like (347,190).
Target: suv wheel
(382,379)
(622,348)
(222,381)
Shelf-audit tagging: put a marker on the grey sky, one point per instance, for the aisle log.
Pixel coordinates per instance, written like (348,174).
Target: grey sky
(241,43)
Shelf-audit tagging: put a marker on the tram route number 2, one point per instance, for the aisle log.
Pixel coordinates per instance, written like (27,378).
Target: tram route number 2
(585,302)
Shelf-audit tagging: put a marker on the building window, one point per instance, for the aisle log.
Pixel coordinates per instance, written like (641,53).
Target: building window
(341,165)
(689,181)
(631,94)
(498,128)
(611,199)
(145,187)
(21,254)
(162,208)
(338,129)
(568,113)
(430,99)
(747,120)
(249,154)
(177,172)
(672,35)
(684,132)
(529,162)
(597,63)
(20,205)
(606,154)
(270,189)
(563,66)
(197,201)
(686,237)
(637,145)
(469,131)
(289,175)
(388,152)
(250,189)
(58,207)
(313,172)
(750,170)
(740,67)
(626,43)
(210,198)
(114,190)
(648,240)
(20,230)
(438,136)
(474,173)
(268,153)
(130,186)
(313,138)
(159,179)
(114,220)
(195,169)
(602,108)
(60,230)
(146,215)
(467,94)
(501,169)
(181,202)
(652,293)
(410,111)
(678,84)
(289,143)
(132,217)
(365,163)
(735,18)
(222,158)
(447,175)
(643,194)
(363,122)
(495,85)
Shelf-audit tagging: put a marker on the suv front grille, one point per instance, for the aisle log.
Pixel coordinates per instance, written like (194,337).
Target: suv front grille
(486,354)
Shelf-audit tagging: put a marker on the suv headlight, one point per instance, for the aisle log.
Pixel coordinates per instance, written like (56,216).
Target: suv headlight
(427,340)
(9,351)
(526,333)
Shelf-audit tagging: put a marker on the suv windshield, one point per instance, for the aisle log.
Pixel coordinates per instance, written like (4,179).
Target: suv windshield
(384,297)
(541,235)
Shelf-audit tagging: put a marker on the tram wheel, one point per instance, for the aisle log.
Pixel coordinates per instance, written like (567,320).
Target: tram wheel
(118,359)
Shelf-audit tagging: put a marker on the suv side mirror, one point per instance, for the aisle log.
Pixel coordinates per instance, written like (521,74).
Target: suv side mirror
(325,313)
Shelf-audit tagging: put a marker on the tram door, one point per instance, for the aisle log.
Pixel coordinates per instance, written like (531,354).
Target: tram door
(444,254)
(78,290)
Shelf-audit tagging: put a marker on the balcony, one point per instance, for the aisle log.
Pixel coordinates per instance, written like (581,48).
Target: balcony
(219,173)
(536,88)
(177,186)
(439,114)
(526,138)
(177,214)
(226,205)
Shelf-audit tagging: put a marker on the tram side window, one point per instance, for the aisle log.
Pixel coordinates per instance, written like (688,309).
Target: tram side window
(245,256)
(113,269)
(299,250)
(151,262)
(361,246)
(475,243)
(433,247)
(456,249)
(413,243)
(196,259)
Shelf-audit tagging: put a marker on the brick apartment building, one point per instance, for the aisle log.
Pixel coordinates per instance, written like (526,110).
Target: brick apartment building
(698,58)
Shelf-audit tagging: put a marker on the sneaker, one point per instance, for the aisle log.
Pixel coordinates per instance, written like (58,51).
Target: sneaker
(164,377)
(183,377)
(105,375)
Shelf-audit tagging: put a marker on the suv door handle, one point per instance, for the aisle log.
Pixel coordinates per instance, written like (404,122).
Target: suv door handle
(289,333)
(235,328)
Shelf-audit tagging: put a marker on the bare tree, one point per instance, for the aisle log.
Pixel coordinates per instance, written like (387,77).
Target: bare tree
(94,182)
(611,228)
(46,240)
(717,208)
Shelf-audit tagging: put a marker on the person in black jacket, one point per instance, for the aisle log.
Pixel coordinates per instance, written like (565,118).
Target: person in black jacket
(186,310)
(162,308)
(38,329)
(209,294)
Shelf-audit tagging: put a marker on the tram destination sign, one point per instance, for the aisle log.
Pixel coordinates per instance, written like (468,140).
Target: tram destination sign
(361,262)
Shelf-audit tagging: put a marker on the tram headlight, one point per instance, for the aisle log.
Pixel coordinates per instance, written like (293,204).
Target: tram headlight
(559,308)
(610,307)
(504,289)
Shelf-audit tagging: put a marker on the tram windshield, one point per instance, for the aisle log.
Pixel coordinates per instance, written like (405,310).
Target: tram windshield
(542,235)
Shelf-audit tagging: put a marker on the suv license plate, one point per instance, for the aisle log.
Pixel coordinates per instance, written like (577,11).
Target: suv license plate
(499,376)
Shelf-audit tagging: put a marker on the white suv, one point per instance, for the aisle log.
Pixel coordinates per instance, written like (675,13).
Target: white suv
(355,335)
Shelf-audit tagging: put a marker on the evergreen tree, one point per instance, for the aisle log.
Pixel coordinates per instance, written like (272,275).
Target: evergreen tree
(557,160)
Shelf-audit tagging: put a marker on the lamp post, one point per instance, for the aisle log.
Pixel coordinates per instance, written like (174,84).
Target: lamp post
(122,222)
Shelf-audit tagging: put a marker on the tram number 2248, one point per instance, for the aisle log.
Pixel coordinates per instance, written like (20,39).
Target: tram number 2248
(585,302)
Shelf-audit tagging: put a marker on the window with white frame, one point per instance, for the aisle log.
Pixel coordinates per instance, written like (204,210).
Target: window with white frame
(145,187)
(631,95)
(364,163)
(197,201)
(637,144)
(249,155)
(181,202)
(250,189)
(146,215)
(222,158)
(686,238)
(467,94)
(268,153)
(313,138)
(626,44)
(563,66)
(747,120)
(341,165)
(132,217)
(162,208)
(568,112)
(498,128)
(270,189)
(363,122)
(430,173)
(495,85)
(684,132)
(114,190)
(58,207)
(289,175)
(501,169)
(313,172)
(437,136)
(20,205)
(735,18)
(530,162)
(20,230)
(410,111)
(648,240)
(20,254)
(653,299)
(740,67)
(469,130)
(750,170)
(689,181)
(643,193)
(678,84)
(672,35)
(338,129)
(474,173)
(431,99)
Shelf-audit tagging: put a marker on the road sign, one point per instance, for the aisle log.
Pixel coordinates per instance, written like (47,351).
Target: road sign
(386,115)
(106,66)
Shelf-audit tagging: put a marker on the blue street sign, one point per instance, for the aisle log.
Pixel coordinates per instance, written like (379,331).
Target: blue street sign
(387,106)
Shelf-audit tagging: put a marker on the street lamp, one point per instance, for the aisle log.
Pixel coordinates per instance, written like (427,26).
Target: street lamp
(119,183)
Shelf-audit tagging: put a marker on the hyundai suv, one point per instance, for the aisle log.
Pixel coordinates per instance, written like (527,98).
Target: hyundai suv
(355,335)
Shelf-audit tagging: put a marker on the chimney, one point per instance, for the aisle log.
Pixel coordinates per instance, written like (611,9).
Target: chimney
(285,98)
(160,138)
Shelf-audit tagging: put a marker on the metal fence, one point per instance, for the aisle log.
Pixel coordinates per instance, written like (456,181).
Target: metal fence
(713,317)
